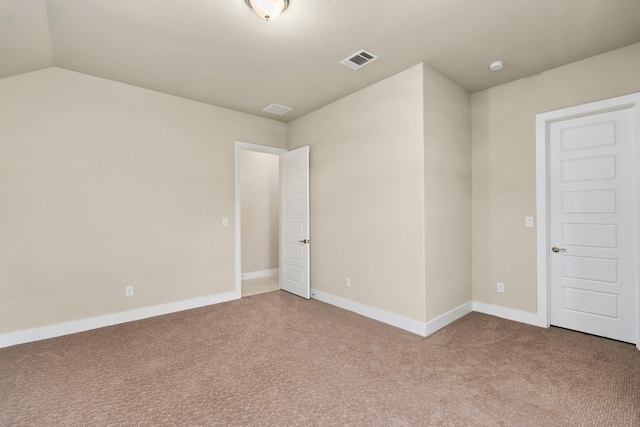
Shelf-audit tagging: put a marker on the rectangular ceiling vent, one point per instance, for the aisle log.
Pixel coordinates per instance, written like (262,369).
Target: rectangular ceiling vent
(359,59)
(277,109)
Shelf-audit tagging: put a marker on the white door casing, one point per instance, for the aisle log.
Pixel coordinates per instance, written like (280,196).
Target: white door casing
(294,222)
(587,203)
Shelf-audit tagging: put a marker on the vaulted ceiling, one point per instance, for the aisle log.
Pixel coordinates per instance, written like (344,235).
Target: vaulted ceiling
(219,52)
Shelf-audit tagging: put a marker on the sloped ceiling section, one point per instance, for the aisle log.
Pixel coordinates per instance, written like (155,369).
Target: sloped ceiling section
(219,52)
(25,43)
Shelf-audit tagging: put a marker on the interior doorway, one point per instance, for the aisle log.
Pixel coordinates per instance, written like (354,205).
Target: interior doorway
(257,218)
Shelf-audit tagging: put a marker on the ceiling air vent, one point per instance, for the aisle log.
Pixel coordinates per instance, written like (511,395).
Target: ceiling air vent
(277,109)
(359,59)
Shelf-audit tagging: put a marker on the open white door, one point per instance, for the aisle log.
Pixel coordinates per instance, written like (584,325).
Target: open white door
(294,222)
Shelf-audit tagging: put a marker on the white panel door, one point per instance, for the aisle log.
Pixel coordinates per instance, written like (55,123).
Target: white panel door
(593,225)
(294,222)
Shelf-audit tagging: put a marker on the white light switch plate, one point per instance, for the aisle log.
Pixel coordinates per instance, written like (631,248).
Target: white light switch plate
(528,221)
(225,222)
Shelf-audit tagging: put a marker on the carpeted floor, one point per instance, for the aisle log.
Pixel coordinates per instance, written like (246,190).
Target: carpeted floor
(260,285)
(275,359)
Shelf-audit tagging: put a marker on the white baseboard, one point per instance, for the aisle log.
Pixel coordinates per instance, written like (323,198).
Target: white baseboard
(428,328)
(410,325)
(447,318)
(506,313)
(261,273)
(51,331)
(371,312)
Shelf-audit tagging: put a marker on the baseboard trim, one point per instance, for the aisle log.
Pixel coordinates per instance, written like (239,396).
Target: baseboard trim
(506,313)
(447,318)
(410,325)
(67,328)
(419,328)
(371,312)
(261,273)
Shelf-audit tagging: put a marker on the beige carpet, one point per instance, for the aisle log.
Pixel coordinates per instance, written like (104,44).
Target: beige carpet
(275,359)
(260,285)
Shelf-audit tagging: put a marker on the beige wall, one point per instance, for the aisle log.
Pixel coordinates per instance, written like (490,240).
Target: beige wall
(106,185)
(503,123)
(367,195)
(260,198)
(447,185)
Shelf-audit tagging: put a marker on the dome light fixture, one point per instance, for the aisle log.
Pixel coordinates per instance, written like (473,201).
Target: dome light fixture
(496,66)
(268,9)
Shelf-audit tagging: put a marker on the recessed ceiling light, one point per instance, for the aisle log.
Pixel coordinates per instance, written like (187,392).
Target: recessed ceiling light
(496,66)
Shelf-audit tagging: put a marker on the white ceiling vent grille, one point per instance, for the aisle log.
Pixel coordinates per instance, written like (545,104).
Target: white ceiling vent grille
(359,59)
(277,109)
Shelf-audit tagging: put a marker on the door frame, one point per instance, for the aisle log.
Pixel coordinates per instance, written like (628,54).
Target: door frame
(543,121)
(239,145)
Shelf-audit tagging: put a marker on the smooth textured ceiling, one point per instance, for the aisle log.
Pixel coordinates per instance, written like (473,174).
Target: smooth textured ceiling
(221,53)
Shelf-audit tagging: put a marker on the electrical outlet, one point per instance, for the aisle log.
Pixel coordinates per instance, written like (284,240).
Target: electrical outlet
(500,287)
(128,291)
(225,222)
(347,282)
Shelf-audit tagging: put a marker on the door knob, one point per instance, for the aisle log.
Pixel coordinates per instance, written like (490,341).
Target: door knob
(303,241)
(556,249)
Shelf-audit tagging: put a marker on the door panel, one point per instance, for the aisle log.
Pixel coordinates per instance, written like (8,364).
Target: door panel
(294,222)
(586,202)
(589,268)
(590,302)
(590,235)
(589,136)
(593,223)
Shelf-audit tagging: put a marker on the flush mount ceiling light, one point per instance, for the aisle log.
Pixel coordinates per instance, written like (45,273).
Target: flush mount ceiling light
(268,9)
(496,66)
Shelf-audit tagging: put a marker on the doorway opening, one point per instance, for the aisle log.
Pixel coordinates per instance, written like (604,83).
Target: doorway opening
(257,218)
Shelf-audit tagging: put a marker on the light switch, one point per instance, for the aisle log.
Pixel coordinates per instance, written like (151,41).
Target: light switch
(225,222)
(528,221)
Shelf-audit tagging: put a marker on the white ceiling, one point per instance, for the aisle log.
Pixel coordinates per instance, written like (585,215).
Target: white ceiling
(221,53)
